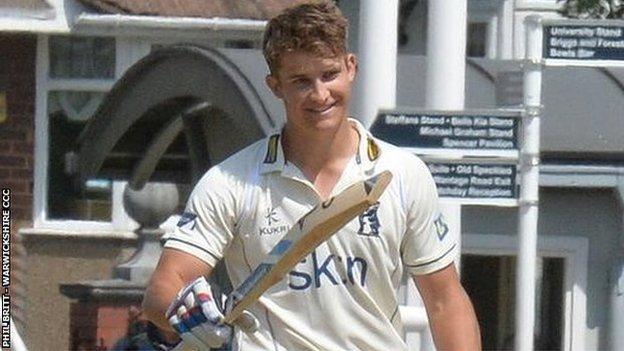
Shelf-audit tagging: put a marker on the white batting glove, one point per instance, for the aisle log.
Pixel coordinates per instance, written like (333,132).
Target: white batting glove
(196,317)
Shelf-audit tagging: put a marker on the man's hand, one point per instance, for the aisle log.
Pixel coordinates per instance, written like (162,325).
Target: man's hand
(196,317)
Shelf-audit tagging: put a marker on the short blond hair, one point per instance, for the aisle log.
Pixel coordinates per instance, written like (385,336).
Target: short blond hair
(317,27)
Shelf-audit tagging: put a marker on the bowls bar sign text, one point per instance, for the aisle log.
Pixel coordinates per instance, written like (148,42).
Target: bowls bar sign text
(583,42)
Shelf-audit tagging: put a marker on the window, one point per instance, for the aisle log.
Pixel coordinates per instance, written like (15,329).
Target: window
(561,282)
(81,70)
(68,113)
(490,283)
(476,39)
(74,73)
(82,57)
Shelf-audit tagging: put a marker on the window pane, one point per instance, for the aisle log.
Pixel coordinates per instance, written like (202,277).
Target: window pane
(490,283)
(82,57)
(69,113)
(476,39)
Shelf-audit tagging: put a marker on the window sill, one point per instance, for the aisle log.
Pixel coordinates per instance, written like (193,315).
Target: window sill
(77,234)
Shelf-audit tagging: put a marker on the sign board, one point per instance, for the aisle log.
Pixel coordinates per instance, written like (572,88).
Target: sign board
(476,183)
(472,155)
(489,133)
(583,41)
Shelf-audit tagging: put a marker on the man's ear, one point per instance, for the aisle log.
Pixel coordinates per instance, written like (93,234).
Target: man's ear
(273,84)
(352,65)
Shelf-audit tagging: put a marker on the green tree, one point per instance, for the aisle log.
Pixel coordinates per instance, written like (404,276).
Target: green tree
(601,9)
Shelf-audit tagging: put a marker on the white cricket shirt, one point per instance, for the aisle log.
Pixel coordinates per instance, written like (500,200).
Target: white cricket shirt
(343,296)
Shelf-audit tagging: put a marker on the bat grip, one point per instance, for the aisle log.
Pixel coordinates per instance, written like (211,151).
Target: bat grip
(180,347)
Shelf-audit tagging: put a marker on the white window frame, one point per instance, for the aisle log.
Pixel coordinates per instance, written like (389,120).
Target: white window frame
(486,13)
(128,51)
(538,5)
(573,250)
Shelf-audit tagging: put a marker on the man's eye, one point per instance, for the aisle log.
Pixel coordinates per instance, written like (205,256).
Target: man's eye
(300,83)
(331,75)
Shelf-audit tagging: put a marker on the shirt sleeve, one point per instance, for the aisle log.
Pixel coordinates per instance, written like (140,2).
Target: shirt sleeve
(205,229)
(427,245)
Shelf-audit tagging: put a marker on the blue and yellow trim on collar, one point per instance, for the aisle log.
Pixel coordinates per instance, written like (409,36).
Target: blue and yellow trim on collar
(272,148)
(273,155)
(368,149)
(367,155)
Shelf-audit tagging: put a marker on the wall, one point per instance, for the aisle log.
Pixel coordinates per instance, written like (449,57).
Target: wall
(54,260)
(17,72)
(592,213)
(17,82)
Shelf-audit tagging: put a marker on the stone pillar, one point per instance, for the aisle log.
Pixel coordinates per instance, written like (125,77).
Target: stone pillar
(150,207)
(446,76)
(106,314)
(378,58)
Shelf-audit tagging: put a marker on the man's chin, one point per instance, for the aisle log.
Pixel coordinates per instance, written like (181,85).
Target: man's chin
(326,121)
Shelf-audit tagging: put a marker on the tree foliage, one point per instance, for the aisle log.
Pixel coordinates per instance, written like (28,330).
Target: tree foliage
(602,9)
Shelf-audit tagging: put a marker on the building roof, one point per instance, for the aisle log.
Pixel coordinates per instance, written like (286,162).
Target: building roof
(246,9)
(25,4)
(25,9)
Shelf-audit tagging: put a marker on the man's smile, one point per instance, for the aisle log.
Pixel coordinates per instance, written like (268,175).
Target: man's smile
(322,109)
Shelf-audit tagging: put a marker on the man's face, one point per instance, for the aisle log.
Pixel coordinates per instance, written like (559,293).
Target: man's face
(315,90)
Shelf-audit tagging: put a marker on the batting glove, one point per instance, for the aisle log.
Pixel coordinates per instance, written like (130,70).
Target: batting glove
(196,316)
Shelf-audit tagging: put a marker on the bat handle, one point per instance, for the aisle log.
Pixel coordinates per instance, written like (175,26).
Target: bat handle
(181,347)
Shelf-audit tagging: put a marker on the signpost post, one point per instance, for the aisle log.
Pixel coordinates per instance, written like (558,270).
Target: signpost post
(529,193)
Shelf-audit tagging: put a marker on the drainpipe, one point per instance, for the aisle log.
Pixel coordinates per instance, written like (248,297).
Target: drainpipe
(156,22)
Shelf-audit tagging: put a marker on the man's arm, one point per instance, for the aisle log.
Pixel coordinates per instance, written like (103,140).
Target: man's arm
(174,271)
(451,315)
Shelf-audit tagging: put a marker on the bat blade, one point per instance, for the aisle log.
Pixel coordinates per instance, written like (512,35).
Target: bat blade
(309,232)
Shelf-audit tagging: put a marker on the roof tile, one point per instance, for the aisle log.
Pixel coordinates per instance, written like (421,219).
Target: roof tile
(247,9)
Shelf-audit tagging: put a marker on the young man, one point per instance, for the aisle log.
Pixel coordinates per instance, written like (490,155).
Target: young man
(343,295)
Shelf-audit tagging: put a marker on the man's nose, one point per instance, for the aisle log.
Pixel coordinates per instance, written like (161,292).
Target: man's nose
(320,92)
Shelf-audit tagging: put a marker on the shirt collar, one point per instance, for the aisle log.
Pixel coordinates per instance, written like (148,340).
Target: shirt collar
(368,151)
(367,155)
(274,155)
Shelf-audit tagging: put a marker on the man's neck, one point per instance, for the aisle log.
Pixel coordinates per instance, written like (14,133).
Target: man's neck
(321,156)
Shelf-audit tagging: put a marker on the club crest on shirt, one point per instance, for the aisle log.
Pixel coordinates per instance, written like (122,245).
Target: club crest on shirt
(369,222)
(187,221)
(441,227)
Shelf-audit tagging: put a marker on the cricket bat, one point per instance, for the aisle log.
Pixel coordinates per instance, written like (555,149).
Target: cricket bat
(314,228)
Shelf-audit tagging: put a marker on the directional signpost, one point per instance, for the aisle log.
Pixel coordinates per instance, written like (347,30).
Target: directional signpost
(589,43)
(583,43)
(472,155)
(491,157)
